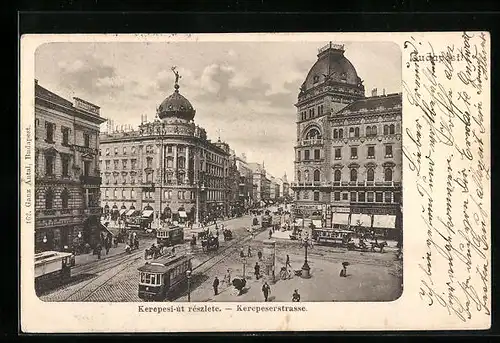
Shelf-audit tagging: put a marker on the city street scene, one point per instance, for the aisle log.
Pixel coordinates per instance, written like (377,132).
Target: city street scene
(218,172)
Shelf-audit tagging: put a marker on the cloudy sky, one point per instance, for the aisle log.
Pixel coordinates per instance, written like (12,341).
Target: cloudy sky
(245,89)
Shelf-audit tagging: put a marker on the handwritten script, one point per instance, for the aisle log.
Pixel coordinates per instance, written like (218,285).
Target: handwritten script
(446,150)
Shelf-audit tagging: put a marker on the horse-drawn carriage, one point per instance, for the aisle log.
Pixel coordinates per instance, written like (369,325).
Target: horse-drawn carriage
(362,246)
(210,243)
(228,234)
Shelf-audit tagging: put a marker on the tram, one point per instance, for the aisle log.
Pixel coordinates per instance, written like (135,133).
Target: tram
(170,236)
(332,236)
(159,278)
(52,268)
(266,221)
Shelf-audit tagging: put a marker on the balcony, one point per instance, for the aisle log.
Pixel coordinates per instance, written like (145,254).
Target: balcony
(90,180)
(310,142)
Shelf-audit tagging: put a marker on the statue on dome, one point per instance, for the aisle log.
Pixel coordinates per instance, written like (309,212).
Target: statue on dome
(176,73)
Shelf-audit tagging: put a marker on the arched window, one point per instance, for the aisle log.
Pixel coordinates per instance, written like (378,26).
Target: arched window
(374,130)
(298,176)
(335,134)
(170,162)
(351,132)
(313,134)
(388,174)
(391,129)
(368,131)
(341,133)
(354,175)
(181,162)
(370,174)
(317,176)
(356,132)
(386,130)
(65,198)
(115,193)
(49,199)
(337,175)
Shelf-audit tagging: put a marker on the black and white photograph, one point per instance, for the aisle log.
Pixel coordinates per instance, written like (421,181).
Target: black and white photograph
(256,172)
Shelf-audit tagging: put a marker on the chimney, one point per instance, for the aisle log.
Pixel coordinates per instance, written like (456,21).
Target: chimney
(374,92)
(383,92)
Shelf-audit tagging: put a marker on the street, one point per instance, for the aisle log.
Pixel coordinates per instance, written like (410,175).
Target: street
(371,275)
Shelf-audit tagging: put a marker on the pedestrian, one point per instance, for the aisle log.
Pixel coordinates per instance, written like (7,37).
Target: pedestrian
(99,248)
(296,296)
(227,278)
(249,254)
(216,286)
(259,255)
(257,270)
(343,272)
(270,233)
(266,290)
(242,252)
(287,264)
(108,246)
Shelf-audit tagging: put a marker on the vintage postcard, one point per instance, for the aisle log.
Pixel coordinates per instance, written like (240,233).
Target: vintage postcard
(255,182)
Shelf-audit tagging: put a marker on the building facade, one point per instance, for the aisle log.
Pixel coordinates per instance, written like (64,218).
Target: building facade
(167,168)
(348,157)
(67,180)
(246,182)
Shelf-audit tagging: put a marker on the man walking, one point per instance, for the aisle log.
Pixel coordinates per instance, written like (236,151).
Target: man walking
(249,254)
(257,270)
(287,264)
(216,286)
(266,290)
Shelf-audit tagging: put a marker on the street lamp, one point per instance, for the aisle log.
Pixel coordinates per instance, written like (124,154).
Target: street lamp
(305,267)
(44,240)
(188,275)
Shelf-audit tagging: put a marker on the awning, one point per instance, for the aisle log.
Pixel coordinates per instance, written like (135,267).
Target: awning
(182,214)
(147,213)
(122,211)
(384,221)
(129,212)
(317,223)
(340,218)
(360,219)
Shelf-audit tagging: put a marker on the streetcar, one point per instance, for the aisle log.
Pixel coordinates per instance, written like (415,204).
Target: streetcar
(266,221)
(170,236)
(159,278)
(52,268)
(332,236)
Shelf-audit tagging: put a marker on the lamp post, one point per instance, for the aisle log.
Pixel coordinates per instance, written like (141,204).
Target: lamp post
(188,275)
(305,267)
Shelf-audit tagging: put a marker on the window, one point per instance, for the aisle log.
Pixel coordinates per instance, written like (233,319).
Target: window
(123,193)
(115,164)
(397,197)
(356,132)
(388,151)
(181,162)
(86,140)
(371,152)
(337,175)
(317,154)
(370,174)
(86,168)
(49,132)
(180,149)
(65,136)
(353,196)
(354,175)
(106,193)
(345,196)
(354,152)
(179,194)
(169,148)
(115,193)
(351,132)
(298,176)
(316,196)
(338,155)
(107,151)
(49,199)
(116,151)
(368,131)
(313,134)
(298,155)
(306,155)
(108,163)
(132,150)
(133,164)
(336,196)
(391,129)
(124,164)
(316,175)
(369,196)
(335,133)
(378,197)
(49,165)
(306,175)
(124,150)
(306,195)
(170,162)
(374,130)
(388,197)
(388,174)
(361,196)
(65,165)
(341,133)
(386,130)
(149,162)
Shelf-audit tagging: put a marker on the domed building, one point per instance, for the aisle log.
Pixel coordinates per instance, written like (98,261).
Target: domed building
(348,157)
(166,170)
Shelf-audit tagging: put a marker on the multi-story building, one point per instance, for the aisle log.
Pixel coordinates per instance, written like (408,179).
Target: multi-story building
(246,182)
(285,187)
(235,206)
(348,157)
(259,182)
(167,168)
(67,207)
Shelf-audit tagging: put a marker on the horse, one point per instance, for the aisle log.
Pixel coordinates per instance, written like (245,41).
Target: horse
(380,245)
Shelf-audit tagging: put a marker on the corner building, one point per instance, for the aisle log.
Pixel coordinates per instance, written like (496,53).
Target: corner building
(67,181)
(348,156)
(167,169)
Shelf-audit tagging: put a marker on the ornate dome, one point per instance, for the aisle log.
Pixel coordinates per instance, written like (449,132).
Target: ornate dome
(176,105)
(332,66)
